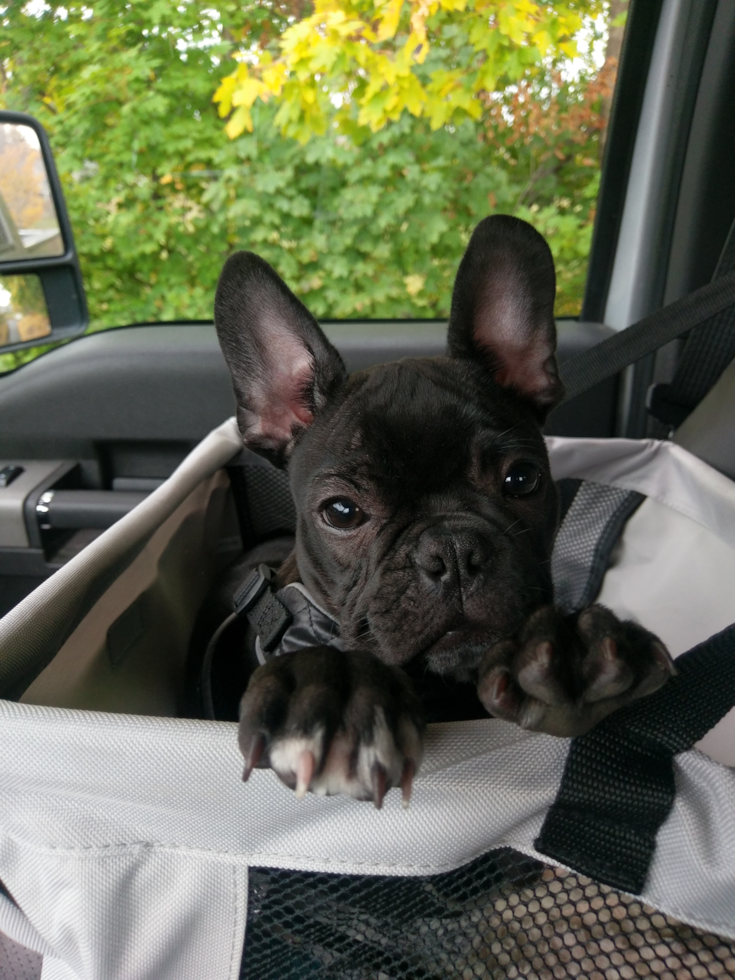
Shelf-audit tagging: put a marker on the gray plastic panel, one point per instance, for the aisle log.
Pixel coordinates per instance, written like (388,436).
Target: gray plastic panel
(153,383)
(169,384)
(75,509)
(13,533)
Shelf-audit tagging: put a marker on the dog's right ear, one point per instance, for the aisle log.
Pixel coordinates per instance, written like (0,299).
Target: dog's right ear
(502,313)
(283,367)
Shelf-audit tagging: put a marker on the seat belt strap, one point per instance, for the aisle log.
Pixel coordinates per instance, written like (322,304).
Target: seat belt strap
(705,355)
(608,358)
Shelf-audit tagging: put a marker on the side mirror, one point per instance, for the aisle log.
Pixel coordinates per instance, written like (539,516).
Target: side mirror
(41,294)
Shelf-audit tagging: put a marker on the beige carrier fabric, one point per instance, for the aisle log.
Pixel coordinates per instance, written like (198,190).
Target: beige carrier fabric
(674,567)
(33,632)
(129,652)
(125,839)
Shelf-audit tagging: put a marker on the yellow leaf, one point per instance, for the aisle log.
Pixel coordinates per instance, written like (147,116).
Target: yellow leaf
(166,179)
(542,41)
(241,120)
(414,96)
(570,23)
(416,48)
(472,106)
(414,284)
(223,95)
(373,87)
(274,77)
(389,21)
(246,92)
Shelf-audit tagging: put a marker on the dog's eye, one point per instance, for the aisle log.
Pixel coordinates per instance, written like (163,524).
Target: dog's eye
(343,514)
(521,479)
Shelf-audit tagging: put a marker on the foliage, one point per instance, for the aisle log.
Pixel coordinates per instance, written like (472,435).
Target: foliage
(375,59)
(362,221)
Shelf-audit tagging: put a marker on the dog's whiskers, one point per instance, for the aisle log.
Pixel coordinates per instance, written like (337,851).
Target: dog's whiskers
(511,526)
(364,630)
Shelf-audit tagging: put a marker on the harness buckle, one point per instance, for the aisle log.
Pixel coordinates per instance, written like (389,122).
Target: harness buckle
(268,616)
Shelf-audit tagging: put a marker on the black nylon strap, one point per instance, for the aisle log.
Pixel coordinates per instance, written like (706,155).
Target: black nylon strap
(618,784)
(269,618)
(606,359)
(265,612)
(705,355)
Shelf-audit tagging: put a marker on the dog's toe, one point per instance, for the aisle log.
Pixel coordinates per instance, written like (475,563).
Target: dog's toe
(333,723)
(563,674)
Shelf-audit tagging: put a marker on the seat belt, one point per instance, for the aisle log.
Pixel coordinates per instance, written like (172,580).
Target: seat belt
(608,358)
(706,353)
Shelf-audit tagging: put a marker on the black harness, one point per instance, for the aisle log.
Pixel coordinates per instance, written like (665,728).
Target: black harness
(284,620)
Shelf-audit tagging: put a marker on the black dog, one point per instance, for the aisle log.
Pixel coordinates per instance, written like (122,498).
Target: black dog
(426,518)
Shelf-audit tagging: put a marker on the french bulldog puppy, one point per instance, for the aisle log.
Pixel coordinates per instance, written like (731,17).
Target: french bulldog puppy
(426,516)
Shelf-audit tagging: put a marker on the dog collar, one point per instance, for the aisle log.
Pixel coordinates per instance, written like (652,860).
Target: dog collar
(286,619)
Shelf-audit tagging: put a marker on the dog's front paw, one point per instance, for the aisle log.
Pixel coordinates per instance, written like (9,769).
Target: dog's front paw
(563,674)
(331,722)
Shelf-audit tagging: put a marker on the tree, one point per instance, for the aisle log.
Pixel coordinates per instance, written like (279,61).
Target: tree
(363,220)
(376,59)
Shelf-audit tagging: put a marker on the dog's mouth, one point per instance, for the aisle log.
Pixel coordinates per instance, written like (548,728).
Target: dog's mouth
(442,638)
(458,650)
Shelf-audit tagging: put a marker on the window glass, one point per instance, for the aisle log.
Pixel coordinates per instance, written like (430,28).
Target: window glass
(353,145)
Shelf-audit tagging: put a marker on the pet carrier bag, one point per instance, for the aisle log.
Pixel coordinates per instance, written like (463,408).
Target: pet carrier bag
(131,850)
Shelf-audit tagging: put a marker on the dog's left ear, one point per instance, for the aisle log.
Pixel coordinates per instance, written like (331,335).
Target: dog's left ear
(503,310)
(283,367)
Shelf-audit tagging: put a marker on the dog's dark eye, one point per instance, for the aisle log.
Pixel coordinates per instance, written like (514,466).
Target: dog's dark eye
(521,479)
(343,514)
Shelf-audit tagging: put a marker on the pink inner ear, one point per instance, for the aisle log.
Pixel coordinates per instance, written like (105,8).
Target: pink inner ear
(278,397)
(521,355)
(524,368)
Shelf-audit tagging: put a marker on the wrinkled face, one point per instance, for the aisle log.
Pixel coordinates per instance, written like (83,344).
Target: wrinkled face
(425,506)
(426,512)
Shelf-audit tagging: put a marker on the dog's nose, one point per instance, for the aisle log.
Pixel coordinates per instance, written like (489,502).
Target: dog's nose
(449,558)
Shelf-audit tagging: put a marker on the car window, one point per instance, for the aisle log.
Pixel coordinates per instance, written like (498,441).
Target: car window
(172,154)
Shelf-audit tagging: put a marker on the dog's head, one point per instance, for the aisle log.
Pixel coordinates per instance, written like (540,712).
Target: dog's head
(426,510)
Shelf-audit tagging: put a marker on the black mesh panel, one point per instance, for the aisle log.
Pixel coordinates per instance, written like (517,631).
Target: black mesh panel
(269,499)
(503,915)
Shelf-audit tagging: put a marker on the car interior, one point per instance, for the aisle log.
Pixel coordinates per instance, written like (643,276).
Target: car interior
(92,427)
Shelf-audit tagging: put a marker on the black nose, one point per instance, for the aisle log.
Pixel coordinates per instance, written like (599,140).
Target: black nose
(451,559)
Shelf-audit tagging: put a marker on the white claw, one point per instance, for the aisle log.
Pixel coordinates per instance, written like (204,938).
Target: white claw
(409,770)
(295,759)
(304,772)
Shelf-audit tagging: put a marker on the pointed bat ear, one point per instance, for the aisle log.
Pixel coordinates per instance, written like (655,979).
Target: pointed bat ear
(503,310)
(283,367)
